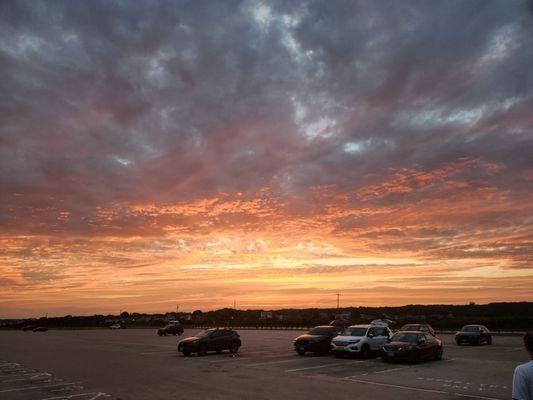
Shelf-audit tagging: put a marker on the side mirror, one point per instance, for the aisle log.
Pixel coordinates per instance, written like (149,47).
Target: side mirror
(370,335)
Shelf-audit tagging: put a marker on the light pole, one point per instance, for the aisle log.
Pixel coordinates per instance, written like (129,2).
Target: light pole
(338,299)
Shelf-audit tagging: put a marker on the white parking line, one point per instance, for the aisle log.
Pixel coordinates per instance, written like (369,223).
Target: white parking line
(36,387)
(95,395)
(391,370)
(275,362)
(33,376)
(323,366)
(424,390)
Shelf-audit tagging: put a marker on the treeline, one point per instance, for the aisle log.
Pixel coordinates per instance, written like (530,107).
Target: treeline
(496,316)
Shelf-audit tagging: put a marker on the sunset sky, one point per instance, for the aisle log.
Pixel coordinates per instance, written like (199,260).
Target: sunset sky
(273,153)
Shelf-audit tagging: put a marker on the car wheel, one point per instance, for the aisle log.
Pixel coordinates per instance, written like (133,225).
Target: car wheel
(301,352)
(415,357)
(202,351)
(173,334)
(489,340)
(459,342)
(438,353)
(365,351)
(219,351)
(186,353)
(159,333)
(234,348)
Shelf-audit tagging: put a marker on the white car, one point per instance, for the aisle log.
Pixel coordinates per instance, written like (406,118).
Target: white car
(116,326)
(361,339)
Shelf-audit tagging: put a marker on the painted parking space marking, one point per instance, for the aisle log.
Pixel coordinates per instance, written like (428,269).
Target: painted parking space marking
(19,389)
(31,377)
(424,390)
(458,384)
(324,366)
(90,396)
(275,362)
(57,389)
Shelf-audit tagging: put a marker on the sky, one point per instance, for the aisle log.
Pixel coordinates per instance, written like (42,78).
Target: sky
(270,153)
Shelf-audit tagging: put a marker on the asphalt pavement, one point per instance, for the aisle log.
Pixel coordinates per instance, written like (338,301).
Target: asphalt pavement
(138,364)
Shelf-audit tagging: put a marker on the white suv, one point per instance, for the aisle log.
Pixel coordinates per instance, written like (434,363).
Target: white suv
(361,339)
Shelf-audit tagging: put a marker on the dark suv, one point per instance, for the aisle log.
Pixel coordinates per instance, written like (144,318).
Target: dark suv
(317,340)
(216,339)
(170,329)
(419,327)
(473,334)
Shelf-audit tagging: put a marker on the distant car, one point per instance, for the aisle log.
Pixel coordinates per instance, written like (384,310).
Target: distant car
(361,340)
(317,340)
(473,334)
(383,322)
(29,328)
(341,323)
(217,339)
(412,346)
(116,326)
(40,329)
(170,329)
(419,327)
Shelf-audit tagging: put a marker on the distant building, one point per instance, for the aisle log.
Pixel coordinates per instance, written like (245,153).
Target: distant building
(472,303)
(266,315)
(346,315)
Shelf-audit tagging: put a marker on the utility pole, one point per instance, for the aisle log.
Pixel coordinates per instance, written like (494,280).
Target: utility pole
(234,304)
(338,299)
(177,308)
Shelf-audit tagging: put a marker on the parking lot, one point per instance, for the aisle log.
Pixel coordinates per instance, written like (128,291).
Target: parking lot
(138,364)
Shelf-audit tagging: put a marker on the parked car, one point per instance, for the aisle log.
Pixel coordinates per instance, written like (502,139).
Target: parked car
(317,340)
(419,327)
(216,339)
(412,346)
(361,340)
(29,328)
(40,329)
(473,334)
(340,323)
(116,326)
(170,329)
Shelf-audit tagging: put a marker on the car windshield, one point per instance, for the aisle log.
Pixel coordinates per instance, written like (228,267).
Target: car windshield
(405,337)
(471,329)
(321,331)
(204,333)
(410,327)
(354,332)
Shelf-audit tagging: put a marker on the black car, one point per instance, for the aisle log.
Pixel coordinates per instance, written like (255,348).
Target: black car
(317,340)
(40,329)
(419,327)
(412,346)
(29,328)
(216,339)
(170,329)
(473,334)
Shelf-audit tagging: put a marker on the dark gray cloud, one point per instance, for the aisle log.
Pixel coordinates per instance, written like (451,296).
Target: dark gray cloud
(107,102)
